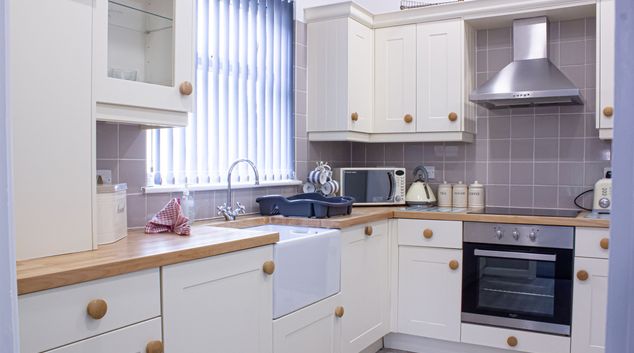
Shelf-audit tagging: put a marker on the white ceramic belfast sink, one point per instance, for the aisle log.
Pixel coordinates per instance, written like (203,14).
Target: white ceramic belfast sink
(307,266)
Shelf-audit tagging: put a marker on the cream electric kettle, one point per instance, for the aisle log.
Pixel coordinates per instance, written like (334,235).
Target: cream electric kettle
(420,193)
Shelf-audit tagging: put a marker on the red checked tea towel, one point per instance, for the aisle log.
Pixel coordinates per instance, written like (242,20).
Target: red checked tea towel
(169,219)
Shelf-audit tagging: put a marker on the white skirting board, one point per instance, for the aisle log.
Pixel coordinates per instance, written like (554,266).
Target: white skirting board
(427,345)
(374,347)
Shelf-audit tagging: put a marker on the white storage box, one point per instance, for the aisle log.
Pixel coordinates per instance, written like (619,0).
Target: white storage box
(112,215)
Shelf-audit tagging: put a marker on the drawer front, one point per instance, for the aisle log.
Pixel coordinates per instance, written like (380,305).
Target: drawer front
(56,317)
(592,242)
(364,231)
(132,339)
(524,341)
(439,234)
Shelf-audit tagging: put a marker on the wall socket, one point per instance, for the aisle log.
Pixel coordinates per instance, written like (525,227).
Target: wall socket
(606,170)
(431,172)
(106,176)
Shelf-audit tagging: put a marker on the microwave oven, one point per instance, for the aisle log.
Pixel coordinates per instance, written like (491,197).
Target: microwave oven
(373,186)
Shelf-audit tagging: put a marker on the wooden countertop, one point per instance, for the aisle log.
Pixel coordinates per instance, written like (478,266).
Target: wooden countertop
(140,251)
(137,251)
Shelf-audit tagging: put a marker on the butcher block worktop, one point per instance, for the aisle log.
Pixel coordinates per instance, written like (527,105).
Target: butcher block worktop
(140,251)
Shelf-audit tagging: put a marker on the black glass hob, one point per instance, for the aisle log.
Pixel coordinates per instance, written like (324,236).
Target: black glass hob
(513,211)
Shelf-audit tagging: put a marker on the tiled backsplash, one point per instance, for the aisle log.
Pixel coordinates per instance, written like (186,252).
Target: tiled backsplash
(527,157)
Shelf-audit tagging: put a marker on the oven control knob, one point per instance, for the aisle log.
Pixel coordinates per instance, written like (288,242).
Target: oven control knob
(604,202)
(516,234)
(532,235)
(499,233)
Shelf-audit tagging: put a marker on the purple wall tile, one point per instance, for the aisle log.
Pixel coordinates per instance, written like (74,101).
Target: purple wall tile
(571,149)
(497,195)
(499,173)
(545,196)
(522,149)
(455,172)
(546,173)
(522,173)
(136,211)
(107,139)
(131,142)
(133,173)
(571,174)
(499,150)
(522,196)
(523,126)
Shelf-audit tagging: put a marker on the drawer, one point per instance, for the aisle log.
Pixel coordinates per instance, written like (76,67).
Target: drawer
(592,242)
(56,317)
(358,232)
(439,234)
(525,341)
(132,339)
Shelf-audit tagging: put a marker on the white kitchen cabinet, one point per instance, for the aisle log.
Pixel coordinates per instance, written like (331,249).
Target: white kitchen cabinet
(132,339)
(143,58)
(523,341)
(605,67)
(395,79)
(313,329)
(51,125)
(440,47)
(222,304)
(365,285)
(339,77)
(589,309)
(429,292)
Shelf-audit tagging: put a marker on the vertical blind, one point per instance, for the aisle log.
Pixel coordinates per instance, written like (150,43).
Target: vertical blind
(244,98)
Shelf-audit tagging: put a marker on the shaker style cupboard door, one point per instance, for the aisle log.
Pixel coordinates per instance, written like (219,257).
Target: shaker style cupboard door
(219,304)
(605,67)
(429,292)
(395,79)
(360,76)
(313,329)
(589,308)
(365,285)
(50,112)
(143,61)
(439,76)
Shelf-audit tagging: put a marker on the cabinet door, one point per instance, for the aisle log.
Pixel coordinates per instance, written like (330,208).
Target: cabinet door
(219,304)
(429,292)
(143,52)
(589,308)
(605,66)
(131,339)
(395,79)
(365,286)
(313,329)
(51,125)
(360,76)
(439,76)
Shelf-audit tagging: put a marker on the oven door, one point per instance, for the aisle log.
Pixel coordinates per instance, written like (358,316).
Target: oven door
(518,287)
(369,186)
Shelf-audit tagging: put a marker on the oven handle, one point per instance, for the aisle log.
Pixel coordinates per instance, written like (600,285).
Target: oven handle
(515,255)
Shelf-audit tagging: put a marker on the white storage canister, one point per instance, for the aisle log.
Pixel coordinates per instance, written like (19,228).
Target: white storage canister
(112,216)
(476,195)
(459,195)
(445,195)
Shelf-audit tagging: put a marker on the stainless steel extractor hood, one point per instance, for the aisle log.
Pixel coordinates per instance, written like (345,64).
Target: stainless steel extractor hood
(531,79)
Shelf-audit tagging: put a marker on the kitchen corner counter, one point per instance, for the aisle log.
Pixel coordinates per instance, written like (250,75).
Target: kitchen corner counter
(137,251)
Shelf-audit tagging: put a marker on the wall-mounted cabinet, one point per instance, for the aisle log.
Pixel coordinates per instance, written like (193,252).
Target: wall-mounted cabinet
(605,68)
(143,58)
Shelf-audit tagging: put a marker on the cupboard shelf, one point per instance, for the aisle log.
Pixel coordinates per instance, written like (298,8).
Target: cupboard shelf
(135,19)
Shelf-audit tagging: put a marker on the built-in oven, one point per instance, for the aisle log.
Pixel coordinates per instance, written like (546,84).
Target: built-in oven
(518,276)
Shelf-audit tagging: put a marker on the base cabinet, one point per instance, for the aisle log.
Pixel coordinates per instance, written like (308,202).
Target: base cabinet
(590,303)
(221,304)
(365,285)
(429,292)
(514,340)
(314,329)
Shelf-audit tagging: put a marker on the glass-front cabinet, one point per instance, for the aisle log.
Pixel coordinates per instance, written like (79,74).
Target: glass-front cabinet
(143,59)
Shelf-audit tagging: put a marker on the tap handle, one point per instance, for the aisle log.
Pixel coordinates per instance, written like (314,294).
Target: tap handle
(222,209)
(241,209)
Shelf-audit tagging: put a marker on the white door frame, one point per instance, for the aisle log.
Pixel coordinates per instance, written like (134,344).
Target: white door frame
(8,293)
(620,322)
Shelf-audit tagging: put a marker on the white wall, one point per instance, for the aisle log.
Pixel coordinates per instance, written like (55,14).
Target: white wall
(8,306)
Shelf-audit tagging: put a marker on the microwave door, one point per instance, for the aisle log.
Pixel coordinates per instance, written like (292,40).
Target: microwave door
(379,186)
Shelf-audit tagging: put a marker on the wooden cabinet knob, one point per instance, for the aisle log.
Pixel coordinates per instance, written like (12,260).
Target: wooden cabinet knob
(268,267)
(454,264)
(608,111)
(97,309)
(583,275)
(453,116)
(512,341)
(339,311)
(354,116)
(186,88)
(408,118)
(154,347)
(604,243)
(368,230)
(428,233)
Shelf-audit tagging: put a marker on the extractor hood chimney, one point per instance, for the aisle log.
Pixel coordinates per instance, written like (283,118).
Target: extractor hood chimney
(531,79)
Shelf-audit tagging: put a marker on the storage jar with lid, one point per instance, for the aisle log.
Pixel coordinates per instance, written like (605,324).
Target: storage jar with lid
(445,195)
(476,195)
(459,195)
(112,216)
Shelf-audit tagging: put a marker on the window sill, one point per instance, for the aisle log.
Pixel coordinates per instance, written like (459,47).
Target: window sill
(211,187)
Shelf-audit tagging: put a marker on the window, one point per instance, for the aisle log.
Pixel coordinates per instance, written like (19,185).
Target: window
(244,99)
